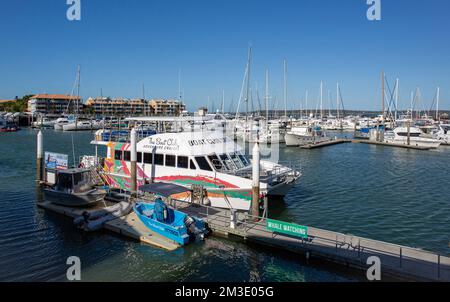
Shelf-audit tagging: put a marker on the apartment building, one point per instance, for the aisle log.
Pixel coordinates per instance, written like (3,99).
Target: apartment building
(132,107)
(54,104)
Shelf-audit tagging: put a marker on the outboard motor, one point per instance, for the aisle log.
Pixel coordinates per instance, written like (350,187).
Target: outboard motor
(192,229)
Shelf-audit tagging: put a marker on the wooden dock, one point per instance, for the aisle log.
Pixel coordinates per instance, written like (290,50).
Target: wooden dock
(129,226)
(325,144)
(352,251)
(348,250)
(369,142)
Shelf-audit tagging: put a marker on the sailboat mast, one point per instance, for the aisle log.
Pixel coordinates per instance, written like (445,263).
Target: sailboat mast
(285,87)
(248,83)
(437,104)
(223,101)
(382,97)
(306,103)
(396,98)
(321,100)
(267,100)
(337,101)
(78,87)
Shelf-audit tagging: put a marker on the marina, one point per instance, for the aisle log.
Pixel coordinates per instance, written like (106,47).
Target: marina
(225,149)
(318,246)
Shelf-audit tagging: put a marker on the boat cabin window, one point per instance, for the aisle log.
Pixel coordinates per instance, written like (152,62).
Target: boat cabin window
(237,161)
(139,157)
(215,161)
(148,158)
(244,160)
(406,134)
(226,161)
(118,154)
(159,159)
(192,165)
(126,155)
(203,163)
(64,182)
(183,162)
(170,160)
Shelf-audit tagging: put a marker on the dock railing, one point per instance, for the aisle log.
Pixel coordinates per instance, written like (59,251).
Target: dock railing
(396,259)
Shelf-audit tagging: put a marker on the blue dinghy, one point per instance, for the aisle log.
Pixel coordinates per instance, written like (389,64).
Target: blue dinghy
(170,223)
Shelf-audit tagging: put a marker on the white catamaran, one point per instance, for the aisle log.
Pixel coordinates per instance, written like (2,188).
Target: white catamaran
(208,159)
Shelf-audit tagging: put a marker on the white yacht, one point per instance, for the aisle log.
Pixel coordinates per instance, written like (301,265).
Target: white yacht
(60,122)
(443,134)
(44,122)
(208,159)
(416,138)
(304,135)
(82,125)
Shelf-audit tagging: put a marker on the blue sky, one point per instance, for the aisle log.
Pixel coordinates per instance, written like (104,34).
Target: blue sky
(122,44)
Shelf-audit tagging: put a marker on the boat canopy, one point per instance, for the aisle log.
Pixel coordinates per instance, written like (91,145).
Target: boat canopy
(163,189)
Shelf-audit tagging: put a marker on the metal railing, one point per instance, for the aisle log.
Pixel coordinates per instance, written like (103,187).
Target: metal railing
(409,261)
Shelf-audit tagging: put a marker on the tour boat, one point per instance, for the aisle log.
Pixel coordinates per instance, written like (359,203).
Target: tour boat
(208,159)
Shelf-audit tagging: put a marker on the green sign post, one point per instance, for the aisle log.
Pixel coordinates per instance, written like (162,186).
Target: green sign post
(287,228)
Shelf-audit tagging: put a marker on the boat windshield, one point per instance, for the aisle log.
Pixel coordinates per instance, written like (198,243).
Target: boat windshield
(64,182)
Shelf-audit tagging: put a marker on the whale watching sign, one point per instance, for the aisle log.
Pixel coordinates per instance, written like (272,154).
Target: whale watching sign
(287,228)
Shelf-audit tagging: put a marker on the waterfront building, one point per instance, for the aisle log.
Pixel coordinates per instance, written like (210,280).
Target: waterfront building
(167,107)
(104,106)
(132,107)
(54,104)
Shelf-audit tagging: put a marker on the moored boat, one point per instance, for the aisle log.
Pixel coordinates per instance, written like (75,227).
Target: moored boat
(74,188)
(170,223)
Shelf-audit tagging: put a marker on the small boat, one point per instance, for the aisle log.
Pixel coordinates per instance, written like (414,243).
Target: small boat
(304,135)
(170,223)
(74,188)
(6,125)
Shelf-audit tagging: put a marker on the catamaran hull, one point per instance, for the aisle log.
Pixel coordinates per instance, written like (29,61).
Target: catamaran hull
(74,200)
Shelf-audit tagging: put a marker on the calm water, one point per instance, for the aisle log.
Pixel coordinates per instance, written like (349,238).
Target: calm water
(390,194)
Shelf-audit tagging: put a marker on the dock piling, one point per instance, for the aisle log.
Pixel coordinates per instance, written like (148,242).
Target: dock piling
(39,156)
(255,182)
(133,157)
